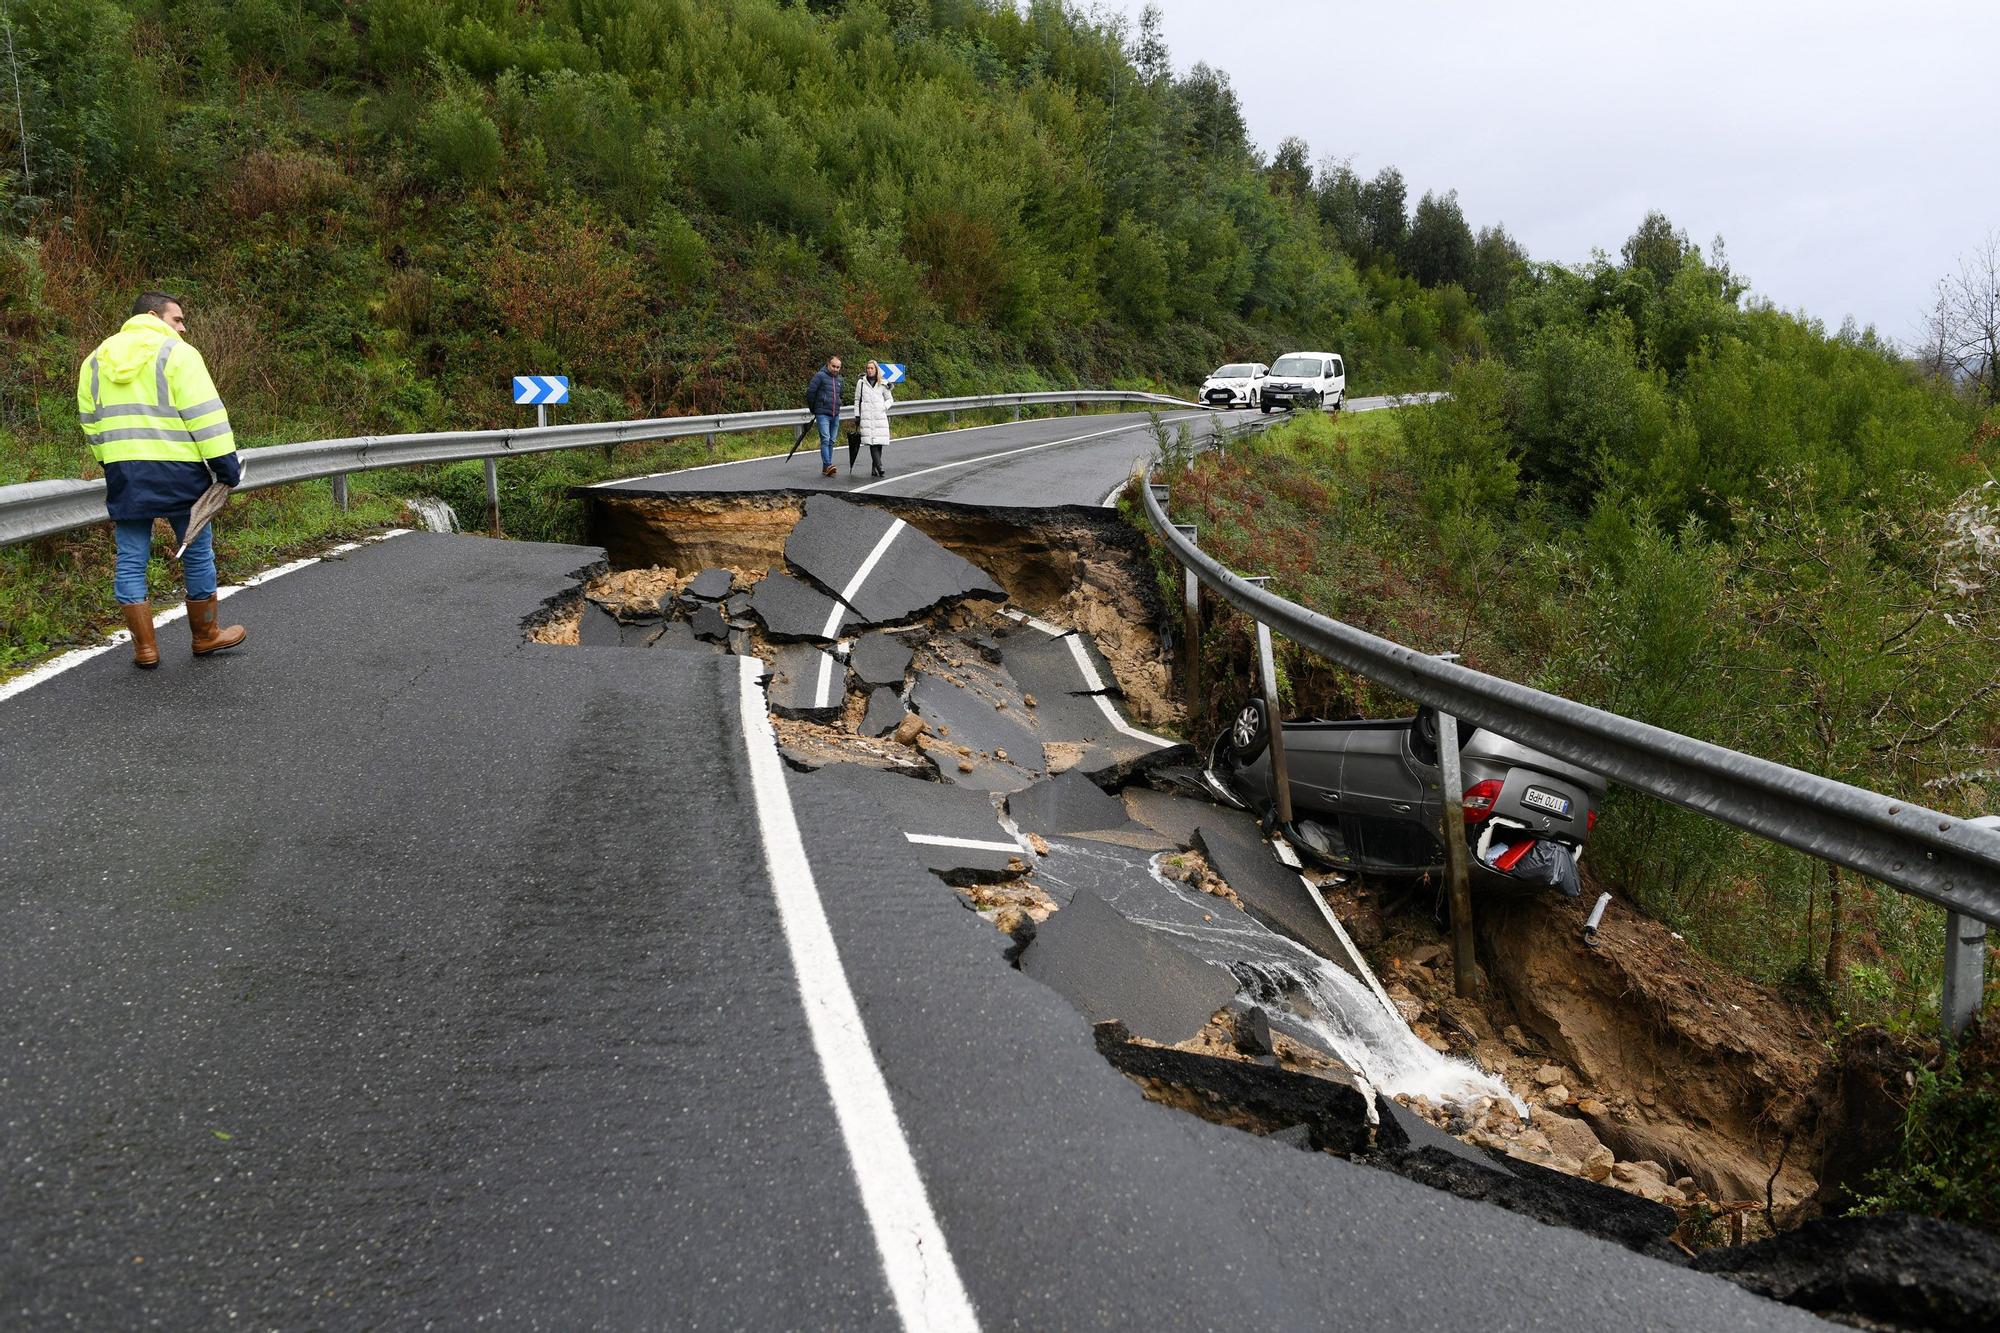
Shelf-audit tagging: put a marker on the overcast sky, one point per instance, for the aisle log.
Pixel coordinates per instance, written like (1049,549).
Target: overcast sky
(1847,153)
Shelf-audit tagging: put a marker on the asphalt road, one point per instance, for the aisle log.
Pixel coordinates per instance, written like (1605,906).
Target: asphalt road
(394,971)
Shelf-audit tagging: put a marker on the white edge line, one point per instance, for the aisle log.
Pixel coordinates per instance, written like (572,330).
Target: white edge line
(1009,453)
(1354,954)
(76,657)
(922,1277)
(840,606)
(1091,679)
(969,844)
(765,458)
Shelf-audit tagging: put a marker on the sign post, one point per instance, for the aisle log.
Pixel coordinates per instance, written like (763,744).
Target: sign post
(540,391)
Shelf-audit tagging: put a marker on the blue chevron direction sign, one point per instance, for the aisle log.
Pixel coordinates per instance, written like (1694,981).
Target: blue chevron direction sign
(536,390)
(893,372)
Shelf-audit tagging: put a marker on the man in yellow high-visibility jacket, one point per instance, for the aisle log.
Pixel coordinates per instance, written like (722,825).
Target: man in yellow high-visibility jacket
(158,428)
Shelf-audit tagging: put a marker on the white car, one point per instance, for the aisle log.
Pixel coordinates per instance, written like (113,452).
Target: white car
(1305,379)
(1240,383)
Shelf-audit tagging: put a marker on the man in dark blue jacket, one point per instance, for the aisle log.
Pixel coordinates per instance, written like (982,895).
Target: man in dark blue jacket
(823,401)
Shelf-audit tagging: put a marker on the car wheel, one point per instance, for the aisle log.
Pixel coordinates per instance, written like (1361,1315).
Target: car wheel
(1339,402)
(1265,408)
(1250,731)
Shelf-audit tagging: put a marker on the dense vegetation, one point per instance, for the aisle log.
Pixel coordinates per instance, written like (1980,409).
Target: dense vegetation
(379,212)
(1712,517)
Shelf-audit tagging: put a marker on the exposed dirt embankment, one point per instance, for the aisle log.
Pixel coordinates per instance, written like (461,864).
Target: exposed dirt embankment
(1082,568)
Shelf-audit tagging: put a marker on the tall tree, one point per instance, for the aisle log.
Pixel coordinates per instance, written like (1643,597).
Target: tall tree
(1439,246)
(1382,204)
(1338,194)
(1962,334)
(1497,259)
(1291,170)
(1656,248)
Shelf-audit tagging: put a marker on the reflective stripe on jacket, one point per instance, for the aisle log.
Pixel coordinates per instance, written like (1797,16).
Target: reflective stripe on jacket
(154,421)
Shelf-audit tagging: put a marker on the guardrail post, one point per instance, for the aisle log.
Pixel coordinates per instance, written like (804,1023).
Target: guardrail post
(951,418)
(710,437)
(1017,411)
(1267,672)
(1964,971)
(492,495)
(340,491)
(1191,628)
(1457,873)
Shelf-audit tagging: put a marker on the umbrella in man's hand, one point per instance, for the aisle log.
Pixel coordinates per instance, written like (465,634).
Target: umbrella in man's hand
(207,507)
(804,430)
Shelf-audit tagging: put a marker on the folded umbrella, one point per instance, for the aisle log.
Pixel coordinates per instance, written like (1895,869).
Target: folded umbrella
(853,446)
(207,507)
(803,432)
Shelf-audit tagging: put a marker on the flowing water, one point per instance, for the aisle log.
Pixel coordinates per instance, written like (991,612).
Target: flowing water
(433,514)
(1312,999)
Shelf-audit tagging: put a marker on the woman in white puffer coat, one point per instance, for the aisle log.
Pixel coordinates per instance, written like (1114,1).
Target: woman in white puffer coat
(871,412)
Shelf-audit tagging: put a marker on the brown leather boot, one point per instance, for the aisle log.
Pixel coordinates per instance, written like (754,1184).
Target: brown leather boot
(145,648)
(207,638)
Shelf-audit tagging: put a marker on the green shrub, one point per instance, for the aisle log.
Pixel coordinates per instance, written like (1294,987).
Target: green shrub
(1949,1163)
(461,144)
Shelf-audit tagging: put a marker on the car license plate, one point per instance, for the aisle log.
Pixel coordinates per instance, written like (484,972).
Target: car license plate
(1538,799)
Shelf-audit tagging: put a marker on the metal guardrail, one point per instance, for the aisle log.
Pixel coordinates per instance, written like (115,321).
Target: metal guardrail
(1952,862)
(43,508)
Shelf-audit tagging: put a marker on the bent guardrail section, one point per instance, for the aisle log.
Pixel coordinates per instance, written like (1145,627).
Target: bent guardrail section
(43,508)
(1952,862)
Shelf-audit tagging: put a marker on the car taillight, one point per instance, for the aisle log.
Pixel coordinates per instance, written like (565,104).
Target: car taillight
(1479,799)
(1590,822)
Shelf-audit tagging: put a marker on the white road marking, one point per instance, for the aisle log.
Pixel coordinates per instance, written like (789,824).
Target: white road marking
(968,844)
(922,1277)
(1009,453)
(765,458)
(1353,954)
(821,690)
(1091,679)
(55,666)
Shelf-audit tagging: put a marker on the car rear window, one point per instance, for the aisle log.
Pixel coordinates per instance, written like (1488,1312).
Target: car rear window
(1231,373)
(1296,365)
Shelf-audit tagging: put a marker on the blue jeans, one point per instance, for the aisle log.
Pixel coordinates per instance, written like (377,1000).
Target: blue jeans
(135,548)
(829,427)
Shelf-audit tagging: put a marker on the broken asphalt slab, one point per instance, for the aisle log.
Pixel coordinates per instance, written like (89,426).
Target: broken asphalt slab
(794,610)
(885,712)
(884,568)
(1110,968)
(598,628)
(957,831)
(1239,1094)
(707,623)
(806,682)
(1894,1271)
(880,658)
(711,585)
(965,717)
(1069,803)
(1271,890)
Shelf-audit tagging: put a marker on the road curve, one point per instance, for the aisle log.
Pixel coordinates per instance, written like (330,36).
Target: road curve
(396,971)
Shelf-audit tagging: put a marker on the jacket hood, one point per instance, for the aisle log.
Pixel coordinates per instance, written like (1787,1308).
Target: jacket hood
(129,353)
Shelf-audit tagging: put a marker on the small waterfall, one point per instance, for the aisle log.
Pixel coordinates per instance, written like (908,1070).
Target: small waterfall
(1313,1000)
(433,514)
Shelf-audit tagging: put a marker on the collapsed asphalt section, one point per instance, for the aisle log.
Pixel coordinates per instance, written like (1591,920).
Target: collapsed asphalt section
(1217,979)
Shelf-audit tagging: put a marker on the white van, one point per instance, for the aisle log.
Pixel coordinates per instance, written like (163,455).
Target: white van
(1305,379)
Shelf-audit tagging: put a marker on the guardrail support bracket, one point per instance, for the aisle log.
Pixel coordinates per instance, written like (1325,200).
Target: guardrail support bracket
(493,497)
(1457,872)
(1191,630)
(1964,971)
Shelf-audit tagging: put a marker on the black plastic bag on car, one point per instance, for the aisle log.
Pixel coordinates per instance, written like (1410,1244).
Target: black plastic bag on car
(1549,862)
